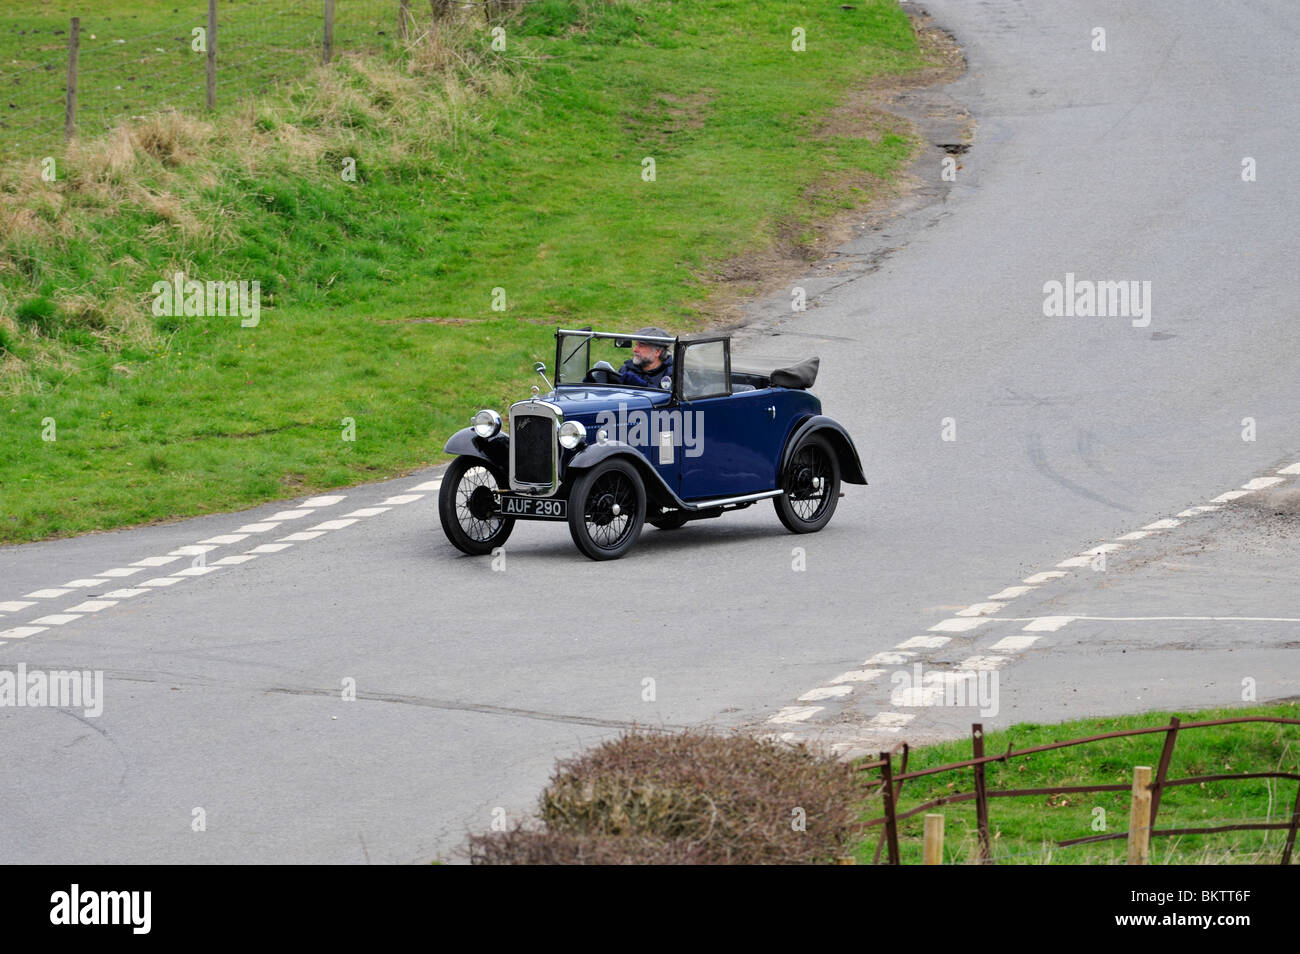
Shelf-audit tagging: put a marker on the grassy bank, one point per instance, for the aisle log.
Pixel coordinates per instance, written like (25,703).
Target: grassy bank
(476,169)
(1025,830)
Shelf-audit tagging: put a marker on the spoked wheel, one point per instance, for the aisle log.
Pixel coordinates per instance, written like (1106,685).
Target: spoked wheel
(467,504)
(607,509)
(811,482)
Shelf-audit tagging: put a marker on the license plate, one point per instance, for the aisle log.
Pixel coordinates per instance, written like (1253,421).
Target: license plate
(538,508)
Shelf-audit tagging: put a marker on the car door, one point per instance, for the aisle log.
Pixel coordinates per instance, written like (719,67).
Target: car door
(730,442)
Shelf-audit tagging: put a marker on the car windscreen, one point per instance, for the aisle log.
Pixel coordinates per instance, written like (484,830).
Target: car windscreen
(578,355)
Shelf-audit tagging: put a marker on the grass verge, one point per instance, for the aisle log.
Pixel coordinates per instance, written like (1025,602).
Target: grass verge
(1024,830)
(477,169)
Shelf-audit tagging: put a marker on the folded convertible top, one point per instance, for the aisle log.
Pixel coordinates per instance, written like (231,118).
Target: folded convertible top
(800,375)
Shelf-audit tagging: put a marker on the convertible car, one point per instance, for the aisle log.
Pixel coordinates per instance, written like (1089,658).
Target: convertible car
(607,457)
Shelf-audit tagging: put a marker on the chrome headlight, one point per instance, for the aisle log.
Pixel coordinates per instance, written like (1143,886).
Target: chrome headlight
(486,423)
(572,434)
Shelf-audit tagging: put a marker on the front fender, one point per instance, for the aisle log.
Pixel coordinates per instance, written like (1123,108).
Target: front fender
(655,487)
(495,450)
(850,464)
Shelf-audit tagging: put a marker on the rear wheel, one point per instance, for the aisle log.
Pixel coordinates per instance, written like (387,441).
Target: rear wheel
(607,509)
(811,481)
(467,506)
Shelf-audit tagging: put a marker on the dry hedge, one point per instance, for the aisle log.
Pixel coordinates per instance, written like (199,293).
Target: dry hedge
(691,798)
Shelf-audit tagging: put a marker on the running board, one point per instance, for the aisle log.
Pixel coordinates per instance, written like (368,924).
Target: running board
(728,501)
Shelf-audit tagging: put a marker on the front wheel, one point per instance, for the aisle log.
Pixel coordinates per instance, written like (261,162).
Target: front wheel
(467,507)
(607,509)
(811,481)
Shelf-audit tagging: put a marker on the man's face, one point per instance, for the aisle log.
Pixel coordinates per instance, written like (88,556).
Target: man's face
(645,355)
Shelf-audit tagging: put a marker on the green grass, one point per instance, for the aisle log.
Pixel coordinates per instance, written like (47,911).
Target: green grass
(1024,830)
(476,169)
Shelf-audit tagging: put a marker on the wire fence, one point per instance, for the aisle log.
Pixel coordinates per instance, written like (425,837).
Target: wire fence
(87,74)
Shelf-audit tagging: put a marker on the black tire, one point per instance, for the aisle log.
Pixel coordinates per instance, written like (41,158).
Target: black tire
(806,507)
(462,500)
(668,521)
(597,530)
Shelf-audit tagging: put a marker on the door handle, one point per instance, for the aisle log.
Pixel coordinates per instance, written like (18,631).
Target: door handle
(771,409)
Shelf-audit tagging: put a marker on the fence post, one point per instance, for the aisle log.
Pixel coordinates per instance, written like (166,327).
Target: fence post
(1162,770)
(329,30)
(212,54)
(891,823)
(1139,817)
(1295,824)
(932,846)
(403,18)
(981,797)
(70,103)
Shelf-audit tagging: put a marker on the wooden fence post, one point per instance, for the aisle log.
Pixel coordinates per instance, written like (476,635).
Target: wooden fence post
(212,54)
(1162,770)
(70,102)
(1139,817)
(981,796)
(328,52)
(932,846)
(891,823)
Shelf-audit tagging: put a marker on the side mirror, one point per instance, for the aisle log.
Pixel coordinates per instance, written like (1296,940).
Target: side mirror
(540,367)
(622,342)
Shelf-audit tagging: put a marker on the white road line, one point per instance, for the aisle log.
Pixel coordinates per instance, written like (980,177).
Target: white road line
(303,535)
(78,584)
(156,561)
(1260,483)
(46,594)
(58,619)
(197,571)
(1076,561)
(367,512)
(955,625)
(323,501)
(121,571)
(271,548)
(428,485)
(1230,495)
(889,721)
(1197,511)
(257,527)
(1293,469)
(825,692)
(793,714)
(1163,525)
(232,560)
(983,663)
(191,549)
(888,659)
(858,675)
(403,499)
(224,539)
(1135,535)
(1013,644)
(1103,548)
(333,525)
(910,696)
(124,594)
(92,606)
(22,632)
(13,606)
(1139,619)
(981,609)
(1044,577)
(924,642)
(291,514)
(1048,624)
(163,581)
(1011,592)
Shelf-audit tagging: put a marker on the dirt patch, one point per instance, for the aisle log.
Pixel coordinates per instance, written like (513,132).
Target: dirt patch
(867,112)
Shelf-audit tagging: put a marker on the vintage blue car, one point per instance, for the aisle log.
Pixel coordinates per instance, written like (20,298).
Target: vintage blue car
(607,456)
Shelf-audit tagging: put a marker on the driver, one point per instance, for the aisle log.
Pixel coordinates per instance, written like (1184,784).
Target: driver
(651,365)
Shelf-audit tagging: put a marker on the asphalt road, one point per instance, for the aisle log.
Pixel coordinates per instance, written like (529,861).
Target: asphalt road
(223,689)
